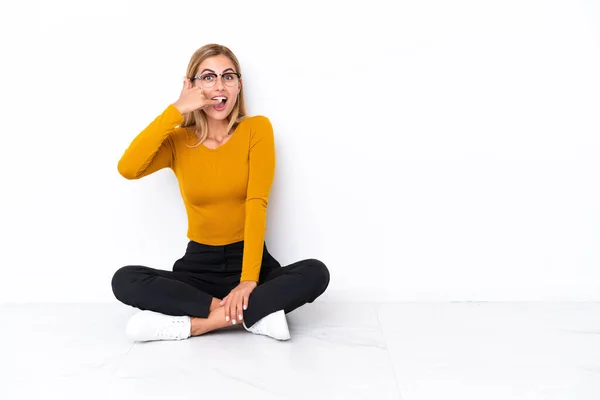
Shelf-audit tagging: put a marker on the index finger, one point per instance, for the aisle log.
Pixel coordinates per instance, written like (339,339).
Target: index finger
(234,310)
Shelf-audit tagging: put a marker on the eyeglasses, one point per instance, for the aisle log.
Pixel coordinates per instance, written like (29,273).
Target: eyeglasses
(209,79)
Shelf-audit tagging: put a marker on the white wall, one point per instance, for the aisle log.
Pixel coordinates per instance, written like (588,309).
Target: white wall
(426,150)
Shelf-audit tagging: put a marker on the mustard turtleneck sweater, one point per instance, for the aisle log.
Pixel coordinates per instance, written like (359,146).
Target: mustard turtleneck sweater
(225,190)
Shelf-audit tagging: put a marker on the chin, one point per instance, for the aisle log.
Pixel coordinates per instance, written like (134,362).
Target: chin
(219,116)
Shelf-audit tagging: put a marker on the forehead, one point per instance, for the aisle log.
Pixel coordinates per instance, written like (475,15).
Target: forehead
(216,63)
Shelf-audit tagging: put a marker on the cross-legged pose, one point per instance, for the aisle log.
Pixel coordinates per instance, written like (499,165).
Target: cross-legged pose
(224,162)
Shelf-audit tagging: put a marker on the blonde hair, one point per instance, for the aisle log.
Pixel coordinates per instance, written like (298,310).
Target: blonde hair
(197,119)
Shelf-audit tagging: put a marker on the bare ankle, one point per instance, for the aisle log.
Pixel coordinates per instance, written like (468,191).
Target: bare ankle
(214,304)
(198,326)
(215,320)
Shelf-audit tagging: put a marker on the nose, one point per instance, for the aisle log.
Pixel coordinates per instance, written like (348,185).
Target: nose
(219,85)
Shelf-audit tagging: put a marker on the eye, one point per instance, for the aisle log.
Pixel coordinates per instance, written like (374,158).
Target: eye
(229,76)
(208,77)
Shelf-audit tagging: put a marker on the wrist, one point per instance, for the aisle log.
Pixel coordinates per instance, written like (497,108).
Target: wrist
(180,108)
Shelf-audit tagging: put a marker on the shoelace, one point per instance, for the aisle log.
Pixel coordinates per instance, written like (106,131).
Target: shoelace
(172,330)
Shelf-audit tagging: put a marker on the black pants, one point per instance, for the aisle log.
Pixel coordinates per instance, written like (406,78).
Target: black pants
(207,271)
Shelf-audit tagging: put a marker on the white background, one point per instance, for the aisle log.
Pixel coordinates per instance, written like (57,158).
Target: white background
(426,150)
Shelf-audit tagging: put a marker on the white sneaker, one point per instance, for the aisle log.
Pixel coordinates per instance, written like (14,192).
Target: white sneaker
(273,325)
(149,325)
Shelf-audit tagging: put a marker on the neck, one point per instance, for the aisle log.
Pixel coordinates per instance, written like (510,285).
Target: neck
(217,129)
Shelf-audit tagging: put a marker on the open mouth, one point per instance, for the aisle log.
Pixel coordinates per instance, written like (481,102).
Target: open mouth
(221,105)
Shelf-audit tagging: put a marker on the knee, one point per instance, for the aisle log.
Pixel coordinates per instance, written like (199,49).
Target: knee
(121,282)
(319,274)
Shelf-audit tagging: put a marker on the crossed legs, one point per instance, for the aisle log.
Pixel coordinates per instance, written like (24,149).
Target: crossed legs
(183,294)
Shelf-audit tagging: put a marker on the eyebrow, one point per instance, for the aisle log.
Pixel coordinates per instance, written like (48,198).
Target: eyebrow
(206,69)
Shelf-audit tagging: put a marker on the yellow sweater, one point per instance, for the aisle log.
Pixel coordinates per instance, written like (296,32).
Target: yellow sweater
(225,190)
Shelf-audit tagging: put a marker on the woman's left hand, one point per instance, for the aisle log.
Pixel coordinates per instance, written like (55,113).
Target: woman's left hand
(237,301)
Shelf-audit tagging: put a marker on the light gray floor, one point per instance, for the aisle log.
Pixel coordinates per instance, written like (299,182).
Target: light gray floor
(409,351)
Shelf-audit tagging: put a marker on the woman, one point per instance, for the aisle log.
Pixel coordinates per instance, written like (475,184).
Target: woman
(224,162)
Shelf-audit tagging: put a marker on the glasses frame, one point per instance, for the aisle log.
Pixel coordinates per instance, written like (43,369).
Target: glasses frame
(218,75)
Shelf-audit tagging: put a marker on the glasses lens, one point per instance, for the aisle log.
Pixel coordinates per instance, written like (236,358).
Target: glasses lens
(208,80)
(230,79)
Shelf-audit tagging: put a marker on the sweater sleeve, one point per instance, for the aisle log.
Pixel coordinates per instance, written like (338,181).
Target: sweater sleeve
(261,175)
(153,148)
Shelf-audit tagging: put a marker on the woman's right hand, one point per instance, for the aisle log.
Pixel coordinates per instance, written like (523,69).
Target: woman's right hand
(192,98)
